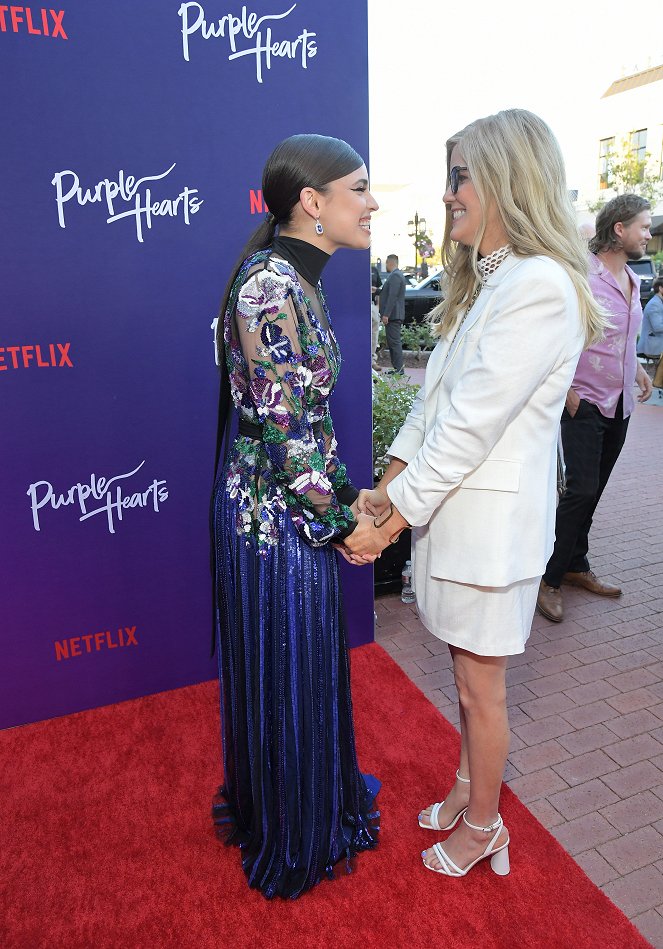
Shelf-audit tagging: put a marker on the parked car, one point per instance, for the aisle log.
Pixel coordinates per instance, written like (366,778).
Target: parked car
(422,297)
(410,280)
(410,275)
(644,268)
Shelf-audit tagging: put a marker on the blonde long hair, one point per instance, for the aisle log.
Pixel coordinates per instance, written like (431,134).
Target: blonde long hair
(515,162)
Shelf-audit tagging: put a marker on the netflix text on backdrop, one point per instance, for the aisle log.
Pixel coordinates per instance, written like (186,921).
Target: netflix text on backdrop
(107,492)
(247,26)
(95,642)
(21,21)
(257,203)
(127,189)
(33,356)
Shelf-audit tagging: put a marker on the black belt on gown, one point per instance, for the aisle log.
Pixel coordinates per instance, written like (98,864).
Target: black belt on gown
(254,430)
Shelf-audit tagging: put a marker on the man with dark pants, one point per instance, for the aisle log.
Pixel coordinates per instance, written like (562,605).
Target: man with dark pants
(600,400)
(392,310)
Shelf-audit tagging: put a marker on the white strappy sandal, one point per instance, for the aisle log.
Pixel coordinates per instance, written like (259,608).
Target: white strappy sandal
(436,808)
(499,857)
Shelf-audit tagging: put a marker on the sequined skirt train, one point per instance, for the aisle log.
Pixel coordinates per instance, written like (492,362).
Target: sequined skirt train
(293,797)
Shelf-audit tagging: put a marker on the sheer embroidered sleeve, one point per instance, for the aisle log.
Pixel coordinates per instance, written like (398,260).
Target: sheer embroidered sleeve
(282,378)
(344,490)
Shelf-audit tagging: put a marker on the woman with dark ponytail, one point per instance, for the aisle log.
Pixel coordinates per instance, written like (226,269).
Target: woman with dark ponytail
(293,797)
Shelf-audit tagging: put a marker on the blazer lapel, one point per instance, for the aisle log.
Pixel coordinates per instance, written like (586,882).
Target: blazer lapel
(470,320)
(481,303)
(448,351)
(436,361)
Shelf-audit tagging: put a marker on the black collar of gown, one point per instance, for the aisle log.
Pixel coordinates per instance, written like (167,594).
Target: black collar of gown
(307,259)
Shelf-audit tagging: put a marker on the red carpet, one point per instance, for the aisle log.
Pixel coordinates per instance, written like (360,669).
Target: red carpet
(107,841)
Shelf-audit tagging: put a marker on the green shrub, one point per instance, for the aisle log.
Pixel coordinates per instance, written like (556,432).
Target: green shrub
(392,400)
(417,338)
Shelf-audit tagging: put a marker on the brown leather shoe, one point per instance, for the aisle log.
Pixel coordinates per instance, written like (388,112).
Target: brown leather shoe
(549,602)
(589,581)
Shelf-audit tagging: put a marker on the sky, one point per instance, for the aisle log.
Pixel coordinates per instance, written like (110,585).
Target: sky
(436,66)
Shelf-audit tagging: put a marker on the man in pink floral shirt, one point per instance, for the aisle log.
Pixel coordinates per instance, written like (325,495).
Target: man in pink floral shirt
(600,400)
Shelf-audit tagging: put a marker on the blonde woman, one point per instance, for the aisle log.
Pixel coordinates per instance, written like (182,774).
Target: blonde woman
(473,469)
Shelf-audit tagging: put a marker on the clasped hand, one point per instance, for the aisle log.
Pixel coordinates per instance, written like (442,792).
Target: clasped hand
(367,541)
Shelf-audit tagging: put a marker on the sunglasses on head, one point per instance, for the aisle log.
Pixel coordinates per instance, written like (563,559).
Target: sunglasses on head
(454,179)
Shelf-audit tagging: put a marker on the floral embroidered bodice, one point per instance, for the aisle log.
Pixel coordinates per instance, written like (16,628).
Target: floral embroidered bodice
(283,364)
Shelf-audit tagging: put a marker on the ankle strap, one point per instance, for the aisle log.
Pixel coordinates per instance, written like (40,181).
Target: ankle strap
(464,780)
(497,824)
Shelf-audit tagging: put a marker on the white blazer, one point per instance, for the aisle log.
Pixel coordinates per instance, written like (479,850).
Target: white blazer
(480,440)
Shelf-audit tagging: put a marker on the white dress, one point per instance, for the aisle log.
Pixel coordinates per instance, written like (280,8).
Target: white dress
(487,621)
(480,447)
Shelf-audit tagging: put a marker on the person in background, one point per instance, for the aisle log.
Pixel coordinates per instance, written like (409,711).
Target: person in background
(392,311)
(587,230)
(600,400)
(650,343)
(376,284)
(657,381)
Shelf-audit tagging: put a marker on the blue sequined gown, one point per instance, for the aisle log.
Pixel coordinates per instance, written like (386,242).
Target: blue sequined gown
(293,798)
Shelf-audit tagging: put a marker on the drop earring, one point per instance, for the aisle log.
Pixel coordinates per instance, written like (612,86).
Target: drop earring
(319,229)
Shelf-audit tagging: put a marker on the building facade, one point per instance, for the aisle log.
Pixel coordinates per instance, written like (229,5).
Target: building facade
(627,127)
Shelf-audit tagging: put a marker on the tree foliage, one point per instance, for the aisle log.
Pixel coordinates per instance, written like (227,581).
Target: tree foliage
(626,173)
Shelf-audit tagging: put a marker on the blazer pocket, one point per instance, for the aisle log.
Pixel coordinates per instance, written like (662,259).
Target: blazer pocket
(494,474)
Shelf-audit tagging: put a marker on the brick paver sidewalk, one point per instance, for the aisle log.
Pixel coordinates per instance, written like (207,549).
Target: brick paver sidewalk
(586,697)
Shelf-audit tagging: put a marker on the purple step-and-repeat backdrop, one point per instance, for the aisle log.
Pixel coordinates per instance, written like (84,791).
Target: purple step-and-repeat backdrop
(134,136)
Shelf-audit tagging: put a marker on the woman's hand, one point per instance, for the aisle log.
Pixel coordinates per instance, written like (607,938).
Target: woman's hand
(372,535)
(349,551)
(354,559)
(366,539)
(375,502)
